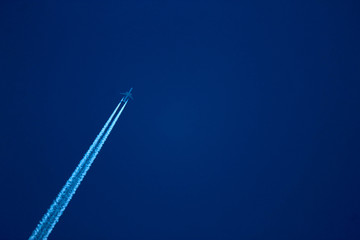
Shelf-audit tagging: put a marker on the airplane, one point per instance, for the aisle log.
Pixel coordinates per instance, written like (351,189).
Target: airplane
(127,95)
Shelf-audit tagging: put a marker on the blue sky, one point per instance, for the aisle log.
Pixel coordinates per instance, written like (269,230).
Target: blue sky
(244,124)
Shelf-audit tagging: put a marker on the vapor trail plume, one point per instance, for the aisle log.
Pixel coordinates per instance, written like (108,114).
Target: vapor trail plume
(99,146)
(55,211)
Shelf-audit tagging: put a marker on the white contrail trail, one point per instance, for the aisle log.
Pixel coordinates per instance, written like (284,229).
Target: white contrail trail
(55,211)
(99,146)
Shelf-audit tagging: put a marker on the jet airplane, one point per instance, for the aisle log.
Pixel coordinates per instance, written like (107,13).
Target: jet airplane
(127,95)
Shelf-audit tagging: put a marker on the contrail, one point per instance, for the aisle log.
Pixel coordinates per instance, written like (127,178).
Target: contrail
(55,211)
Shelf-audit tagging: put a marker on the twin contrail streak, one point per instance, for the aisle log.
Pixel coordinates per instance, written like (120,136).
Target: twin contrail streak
(56,209)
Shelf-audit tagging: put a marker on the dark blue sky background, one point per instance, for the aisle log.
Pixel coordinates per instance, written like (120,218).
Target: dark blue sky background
(245,123)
